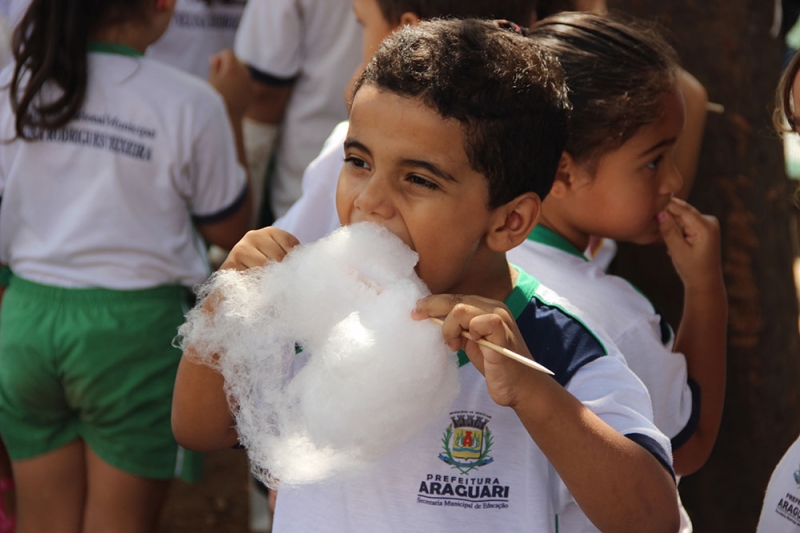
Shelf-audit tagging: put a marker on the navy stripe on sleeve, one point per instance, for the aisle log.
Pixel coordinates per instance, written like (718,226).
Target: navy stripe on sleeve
(224,213)
(557,340)
(269,79)
(649,444)
(694,418)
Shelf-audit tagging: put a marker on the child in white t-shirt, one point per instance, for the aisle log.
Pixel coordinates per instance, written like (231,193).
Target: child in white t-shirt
(616,180)
(780,512)
(301,55)
(114,171)
(439,152)
(199,30)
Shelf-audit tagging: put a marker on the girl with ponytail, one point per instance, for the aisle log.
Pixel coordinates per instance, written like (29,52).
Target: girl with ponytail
(115,171)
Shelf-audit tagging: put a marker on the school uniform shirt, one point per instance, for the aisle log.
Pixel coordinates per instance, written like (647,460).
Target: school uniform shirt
(643,337)
(15,9)
(315,45)
(477,468)
(199,29)
(781,510)
(110,200)
(314,215)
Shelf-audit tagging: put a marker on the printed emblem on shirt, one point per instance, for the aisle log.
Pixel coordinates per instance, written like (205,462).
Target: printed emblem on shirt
(467,442)
(466,446)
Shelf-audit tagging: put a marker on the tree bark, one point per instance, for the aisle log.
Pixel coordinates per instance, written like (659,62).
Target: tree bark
(741,180)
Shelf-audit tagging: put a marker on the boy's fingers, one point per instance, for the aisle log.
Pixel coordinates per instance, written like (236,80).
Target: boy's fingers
(285,240)
(243,259)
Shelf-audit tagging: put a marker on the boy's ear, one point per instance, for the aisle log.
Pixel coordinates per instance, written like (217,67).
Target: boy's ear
(409,18)
(513,222)
(566,177)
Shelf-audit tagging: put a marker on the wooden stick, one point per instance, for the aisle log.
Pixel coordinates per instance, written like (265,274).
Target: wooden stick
(499,349)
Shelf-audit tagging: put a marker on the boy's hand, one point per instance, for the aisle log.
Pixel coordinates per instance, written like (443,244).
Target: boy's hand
(487,319)
(258,247)
(693,242)
(230,78)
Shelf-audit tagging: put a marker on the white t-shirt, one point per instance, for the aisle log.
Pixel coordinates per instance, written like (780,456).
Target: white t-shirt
(781,510)
(15,9)
(317,43)
(477,468)
(110,199)
(199,29)
(314,215)
(643,337)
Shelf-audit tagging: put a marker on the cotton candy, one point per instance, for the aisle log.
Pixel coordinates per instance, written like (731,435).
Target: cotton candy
(321,359)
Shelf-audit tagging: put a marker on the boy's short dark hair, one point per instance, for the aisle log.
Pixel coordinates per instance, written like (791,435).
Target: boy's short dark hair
(509,96)
(518,11)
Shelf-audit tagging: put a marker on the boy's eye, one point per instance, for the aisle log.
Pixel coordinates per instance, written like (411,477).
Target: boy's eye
(422,182)
(356,162)
(652,165)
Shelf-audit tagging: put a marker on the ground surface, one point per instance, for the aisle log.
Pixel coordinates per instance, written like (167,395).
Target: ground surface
(218,504)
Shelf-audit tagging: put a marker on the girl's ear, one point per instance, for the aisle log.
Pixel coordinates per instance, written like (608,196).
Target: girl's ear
(513,222)
(409,18)
(566,177)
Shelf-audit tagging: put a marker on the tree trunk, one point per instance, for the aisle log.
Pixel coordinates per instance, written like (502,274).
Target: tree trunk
(741,180)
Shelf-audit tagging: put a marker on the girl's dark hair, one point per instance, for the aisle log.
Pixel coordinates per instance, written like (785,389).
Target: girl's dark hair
(50,48)
(616,72)
(508,94)
(519,11)
(784,115)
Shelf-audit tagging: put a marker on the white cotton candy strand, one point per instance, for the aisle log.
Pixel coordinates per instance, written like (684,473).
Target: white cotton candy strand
(369,377)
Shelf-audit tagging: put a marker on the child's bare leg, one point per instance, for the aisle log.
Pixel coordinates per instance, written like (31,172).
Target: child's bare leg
(119,502)
(51,490)
(6,483)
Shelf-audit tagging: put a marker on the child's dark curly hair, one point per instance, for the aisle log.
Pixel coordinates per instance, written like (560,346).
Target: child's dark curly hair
(520,11)
(507,93)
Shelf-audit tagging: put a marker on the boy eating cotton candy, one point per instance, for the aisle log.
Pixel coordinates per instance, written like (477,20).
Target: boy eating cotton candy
(456,129)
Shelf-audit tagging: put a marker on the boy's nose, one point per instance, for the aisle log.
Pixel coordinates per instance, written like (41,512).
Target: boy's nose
(374,198)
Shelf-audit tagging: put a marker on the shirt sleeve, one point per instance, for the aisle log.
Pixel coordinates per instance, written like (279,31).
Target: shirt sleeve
(676,399)
(314,215)
(611,391)
(270,38)
(216,182)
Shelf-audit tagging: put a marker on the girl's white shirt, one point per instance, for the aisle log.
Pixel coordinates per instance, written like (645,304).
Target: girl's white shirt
(111,199)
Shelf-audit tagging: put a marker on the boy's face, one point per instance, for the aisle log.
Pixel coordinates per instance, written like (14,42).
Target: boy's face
(406,169)
(376,28)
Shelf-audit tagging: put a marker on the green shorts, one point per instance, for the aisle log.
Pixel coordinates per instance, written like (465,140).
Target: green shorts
(96,365)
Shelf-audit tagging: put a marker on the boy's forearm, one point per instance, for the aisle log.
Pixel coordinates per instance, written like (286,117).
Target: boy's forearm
(618,484)
(201,418)
(701,338)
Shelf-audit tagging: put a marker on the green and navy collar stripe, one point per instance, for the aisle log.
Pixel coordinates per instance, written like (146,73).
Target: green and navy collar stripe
(522,293)
(550,238)
(113,48)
